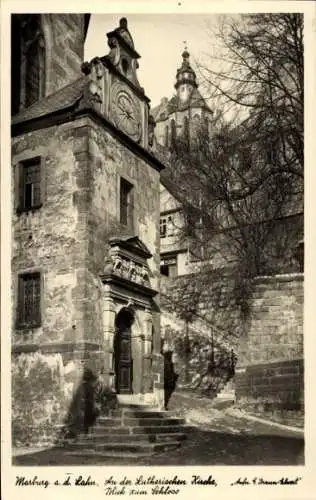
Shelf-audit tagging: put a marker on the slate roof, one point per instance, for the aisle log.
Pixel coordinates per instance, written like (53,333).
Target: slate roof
(167,107)
(62,99)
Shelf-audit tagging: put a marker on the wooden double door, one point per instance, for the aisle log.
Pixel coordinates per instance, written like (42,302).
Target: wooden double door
(123,353)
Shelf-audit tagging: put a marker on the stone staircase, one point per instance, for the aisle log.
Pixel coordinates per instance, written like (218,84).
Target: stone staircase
(130,431)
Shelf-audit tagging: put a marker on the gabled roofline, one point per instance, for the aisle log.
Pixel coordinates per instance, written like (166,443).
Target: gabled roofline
(127,243)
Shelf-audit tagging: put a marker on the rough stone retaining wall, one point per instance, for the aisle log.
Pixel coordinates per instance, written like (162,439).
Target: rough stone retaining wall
(272,386)
(270,370)
(270,375)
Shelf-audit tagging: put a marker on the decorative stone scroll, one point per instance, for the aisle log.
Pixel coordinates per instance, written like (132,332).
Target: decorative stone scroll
(94,88)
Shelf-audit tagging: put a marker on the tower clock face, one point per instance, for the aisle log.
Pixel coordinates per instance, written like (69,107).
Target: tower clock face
(126,114)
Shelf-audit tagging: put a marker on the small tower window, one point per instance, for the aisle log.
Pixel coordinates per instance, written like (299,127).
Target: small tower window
(125,66)
(126,203)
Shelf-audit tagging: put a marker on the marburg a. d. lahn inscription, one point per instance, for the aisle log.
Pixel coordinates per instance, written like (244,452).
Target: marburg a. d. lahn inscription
(142,485)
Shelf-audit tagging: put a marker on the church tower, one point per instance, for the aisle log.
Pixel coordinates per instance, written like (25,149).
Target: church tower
(85,219)
(183,114)
(186,80)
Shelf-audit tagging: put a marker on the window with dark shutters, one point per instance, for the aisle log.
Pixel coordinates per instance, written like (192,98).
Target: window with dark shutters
(29,300)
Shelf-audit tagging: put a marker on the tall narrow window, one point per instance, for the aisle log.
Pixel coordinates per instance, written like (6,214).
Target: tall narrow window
(33,64)
(186,131)
(166,136)
(29,301)
(272,146)
(126,203)
(30,185)
(27,60)
(173,136)
(33,72)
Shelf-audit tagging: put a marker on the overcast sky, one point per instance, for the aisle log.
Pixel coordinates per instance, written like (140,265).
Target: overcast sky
(158,38)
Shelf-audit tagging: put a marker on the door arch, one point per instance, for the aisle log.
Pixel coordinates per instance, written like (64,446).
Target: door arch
(123,361)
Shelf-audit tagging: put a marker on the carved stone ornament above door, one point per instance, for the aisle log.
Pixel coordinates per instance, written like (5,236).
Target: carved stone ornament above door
(127,261)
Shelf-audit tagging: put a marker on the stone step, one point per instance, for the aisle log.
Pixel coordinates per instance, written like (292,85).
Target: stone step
(101,430)
(98,429)
(160,429)
(129,438)
(115,454)
(135,446)
(148,421)
(133,413)
(132,422)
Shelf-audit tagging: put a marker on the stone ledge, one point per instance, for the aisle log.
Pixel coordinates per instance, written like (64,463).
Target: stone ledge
(269,364)
(279,278)
(56,347)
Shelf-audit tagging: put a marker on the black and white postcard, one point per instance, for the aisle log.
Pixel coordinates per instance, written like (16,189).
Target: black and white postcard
(157,214)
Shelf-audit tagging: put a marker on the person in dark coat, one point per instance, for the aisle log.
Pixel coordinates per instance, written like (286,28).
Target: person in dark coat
(170,377)
(88,389)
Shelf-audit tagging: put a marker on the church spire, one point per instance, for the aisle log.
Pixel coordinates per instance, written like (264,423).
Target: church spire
(186,77)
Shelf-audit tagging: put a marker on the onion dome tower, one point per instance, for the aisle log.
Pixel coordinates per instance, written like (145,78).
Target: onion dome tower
(185,78)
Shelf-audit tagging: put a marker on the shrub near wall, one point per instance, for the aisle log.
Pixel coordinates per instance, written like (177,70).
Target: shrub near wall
(38,398)
(193,357)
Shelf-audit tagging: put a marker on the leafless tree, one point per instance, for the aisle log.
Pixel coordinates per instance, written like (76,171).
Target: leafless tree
(241,187)
(244,183)
(263,73)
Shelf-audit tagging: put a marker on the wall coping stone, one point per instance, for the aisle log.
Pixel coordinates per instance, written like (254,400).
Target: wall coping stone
(280,277)
(245,367)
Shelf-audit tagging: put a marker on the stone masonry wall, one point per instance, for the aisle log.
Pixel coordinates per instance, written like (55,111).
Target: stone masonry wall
(109,160)
(270,374)
(268,342)
(39,242)
(53,240)
(64,45)
(271,387)
(66,239)
(275,331)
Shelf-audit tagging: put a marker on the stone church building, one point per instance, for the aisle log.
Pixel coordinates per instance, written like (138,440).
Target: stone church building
(85,214)
(181,116)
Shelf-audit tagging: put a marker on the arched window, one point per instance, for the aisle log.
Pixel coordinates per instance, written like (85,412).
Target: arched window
(206,125)
(186,132)
(28,60)
(34,72)
(34,61)
(166,136)
(173,137)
